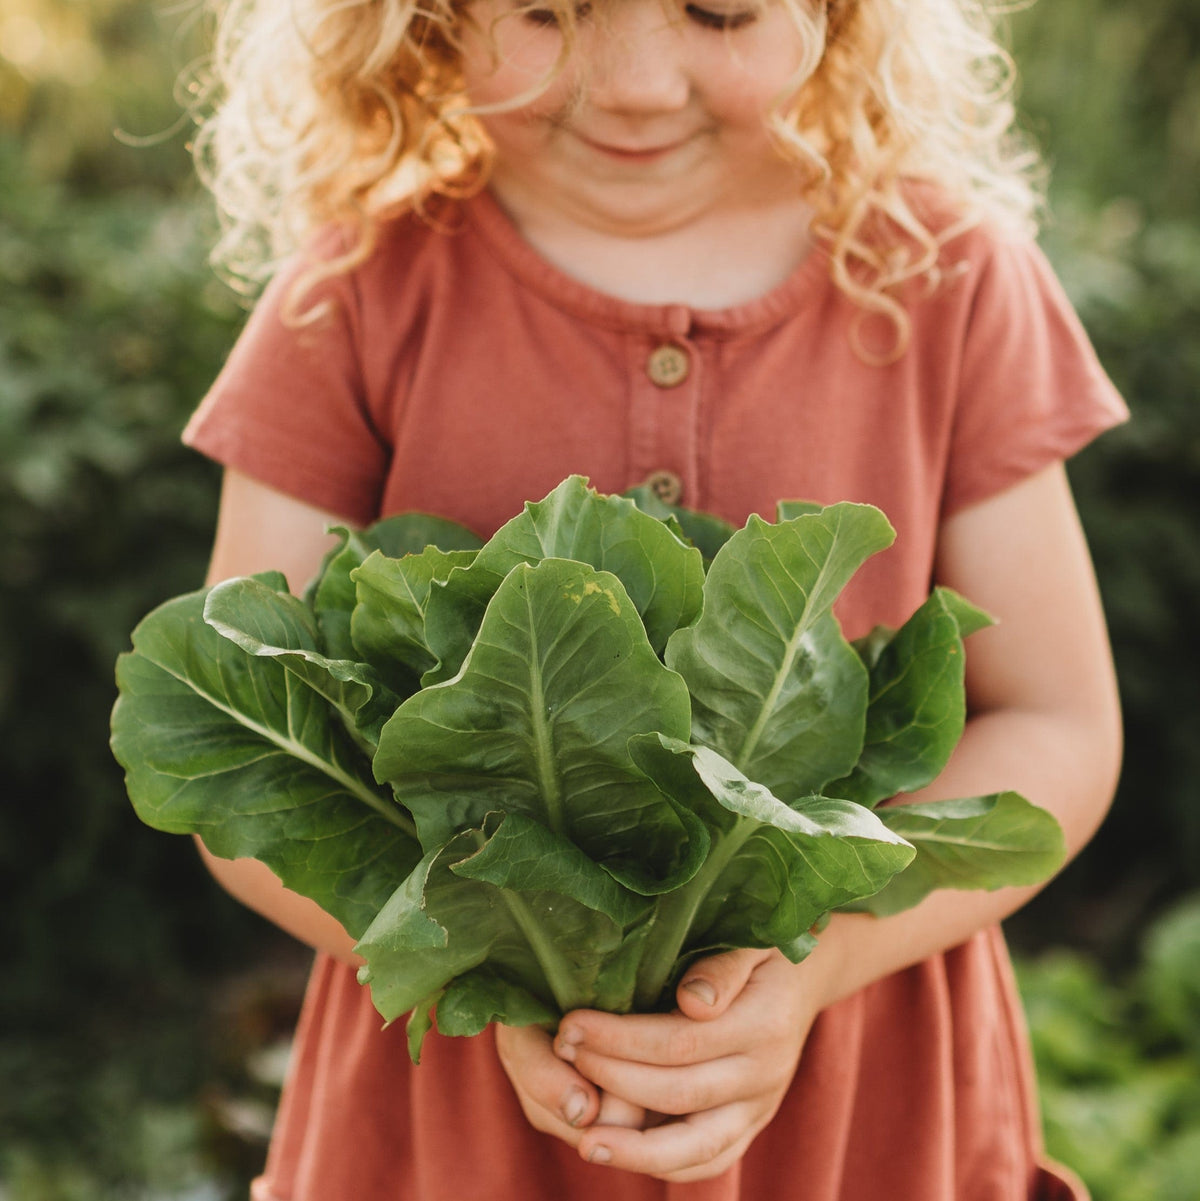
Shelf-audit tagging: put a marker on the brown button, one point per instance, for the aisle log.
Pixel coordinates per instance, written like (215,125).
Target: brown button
(666,485)
(668,365)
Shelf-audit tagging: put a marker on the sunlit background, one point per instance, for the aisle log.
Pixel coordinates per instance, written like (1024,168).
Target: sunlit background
(143,1015)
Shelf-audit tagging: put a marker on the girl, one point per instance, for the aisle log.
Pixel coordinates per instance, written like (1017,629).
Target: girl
(740,250)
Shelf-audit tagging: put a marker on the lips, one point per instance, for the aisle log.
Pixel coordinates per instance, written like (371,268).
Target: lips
(632,153)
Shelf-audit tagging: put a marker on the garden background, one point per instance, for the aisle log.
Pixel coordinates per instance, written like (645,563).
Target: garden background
(144,1015)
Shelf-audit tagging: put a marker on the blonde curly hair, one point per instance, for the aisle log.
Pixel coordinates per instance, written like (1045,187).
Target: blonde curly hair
(319,111)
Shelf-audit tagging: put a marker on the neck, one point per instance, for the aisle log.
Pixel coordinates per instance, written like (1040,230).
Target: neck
(713,261)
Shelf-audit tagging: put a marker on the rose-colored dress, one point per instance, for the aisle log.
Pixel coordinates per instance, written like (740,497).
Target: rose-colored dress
(461,374)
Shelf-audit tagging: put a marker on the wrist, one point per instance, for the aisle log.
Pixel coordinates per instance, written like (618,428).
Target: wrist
(828,970)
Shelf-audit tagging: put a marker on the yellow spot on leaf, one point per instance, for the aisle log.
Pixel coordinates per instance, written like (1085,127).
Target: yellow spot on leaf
(592,587)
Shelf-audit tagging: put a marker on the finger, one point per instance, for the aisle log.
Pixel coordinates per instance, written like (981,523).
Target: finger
(665,1039)
(701,1145)
(542,1079)
(616,1111)
(711,985)
(678,1090)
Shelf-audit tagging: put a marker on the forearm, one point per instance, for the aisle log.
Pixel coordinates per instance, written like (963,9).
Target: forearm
(1045,716)
(258,530)
(1067,764)
(257,887)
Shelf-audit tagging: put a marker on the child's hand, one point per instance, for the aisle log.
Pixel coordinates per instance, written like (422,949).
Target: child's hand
(718,1067)
(555,1098)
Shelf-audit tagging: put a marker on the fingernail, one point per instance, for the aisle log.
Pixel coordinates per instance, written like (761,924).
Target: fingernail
(564,1050)
(574,1106)
(571,1036)
(600,1155)
(702,990)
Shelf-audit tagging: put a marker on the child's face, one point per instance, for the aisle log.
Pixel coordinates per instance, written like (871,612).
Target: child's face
(654,121)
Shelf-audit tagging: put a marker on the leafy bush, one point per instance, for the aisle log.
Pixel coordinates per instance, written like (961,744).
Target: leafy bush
(1114,97)
(109,331)
(1138,288)
(1117,1062)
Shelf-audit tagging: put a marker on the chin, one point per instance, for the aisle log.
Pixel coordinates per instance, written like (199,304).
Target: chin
(645,217)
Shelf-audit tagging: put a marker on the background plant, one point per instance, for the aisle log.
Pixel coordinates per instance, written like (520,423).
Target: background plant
(111,327)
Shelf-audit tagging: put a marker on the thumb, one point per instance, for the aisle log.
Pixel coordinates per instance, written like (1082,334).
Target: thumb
(711,985)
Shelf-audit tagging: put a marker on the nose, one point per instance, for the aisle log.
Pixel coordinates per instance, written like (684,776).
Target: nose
(636,64)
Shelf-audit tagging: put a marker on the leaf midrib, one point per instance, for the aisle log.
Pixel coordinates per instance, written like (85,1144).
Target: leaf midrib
(297,750)
(792,647)
(972,844)
(549,783)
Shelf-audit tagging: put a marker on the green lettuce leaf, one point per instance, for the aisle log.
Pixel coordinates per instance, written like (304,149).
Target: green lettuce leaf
(331,594)
(775,687)
(986,842)
(238,749)
(661,575)
(916,709)
(388,624)
(788,510)
(537,721)
(270,623)
(704,531)
(773,869)
(508,920)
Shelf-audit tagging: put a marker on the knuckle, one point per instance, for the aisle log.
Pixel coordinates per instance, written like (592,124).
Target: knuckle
(681,1100)
(771,1070)
(732,965)
(710,1150)
(772,1048)
(683,1044)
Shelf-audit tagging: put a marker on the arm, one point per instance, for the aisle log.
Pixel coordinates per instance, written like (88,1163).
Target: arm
(1045,715)
(259,529)
(1044,720)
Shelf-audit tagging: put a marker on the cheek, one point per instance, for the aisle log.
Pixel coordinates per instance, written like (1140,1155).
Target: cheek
(767,70)
(517,71)
(744,101)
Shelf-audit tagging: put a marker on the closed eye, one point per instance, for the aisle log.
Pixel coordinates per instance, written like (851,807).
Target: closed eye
(548,16)
(706,17)
(709,18)
(719,19)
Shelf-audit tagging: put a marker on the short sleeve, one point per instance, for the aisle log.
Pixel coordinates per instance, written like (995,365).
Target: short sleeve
(290,409)
(1031,389)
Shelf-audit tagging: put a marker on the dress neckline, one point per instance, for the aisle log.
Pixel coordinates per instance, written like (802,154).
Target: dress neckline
(496,228)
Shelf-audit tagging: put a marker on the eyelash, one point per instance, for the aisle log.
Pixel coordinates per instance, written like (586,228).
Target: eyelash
(704,17)
(546,18)
(722,21)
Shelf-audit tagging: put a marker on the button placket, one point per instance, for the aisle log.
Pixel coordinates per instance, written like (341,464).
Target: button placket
(664,418)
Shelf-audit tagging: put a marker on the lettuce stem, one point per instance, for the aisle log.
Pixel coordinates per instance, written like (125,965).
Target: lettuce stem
(675,914)
(560,975)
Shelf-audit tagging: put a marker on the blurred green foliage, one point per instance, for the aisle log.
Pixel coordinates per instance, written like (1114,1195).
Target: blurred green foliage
(1117,1062)
(110,328)
(1113,94)
(116,952)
